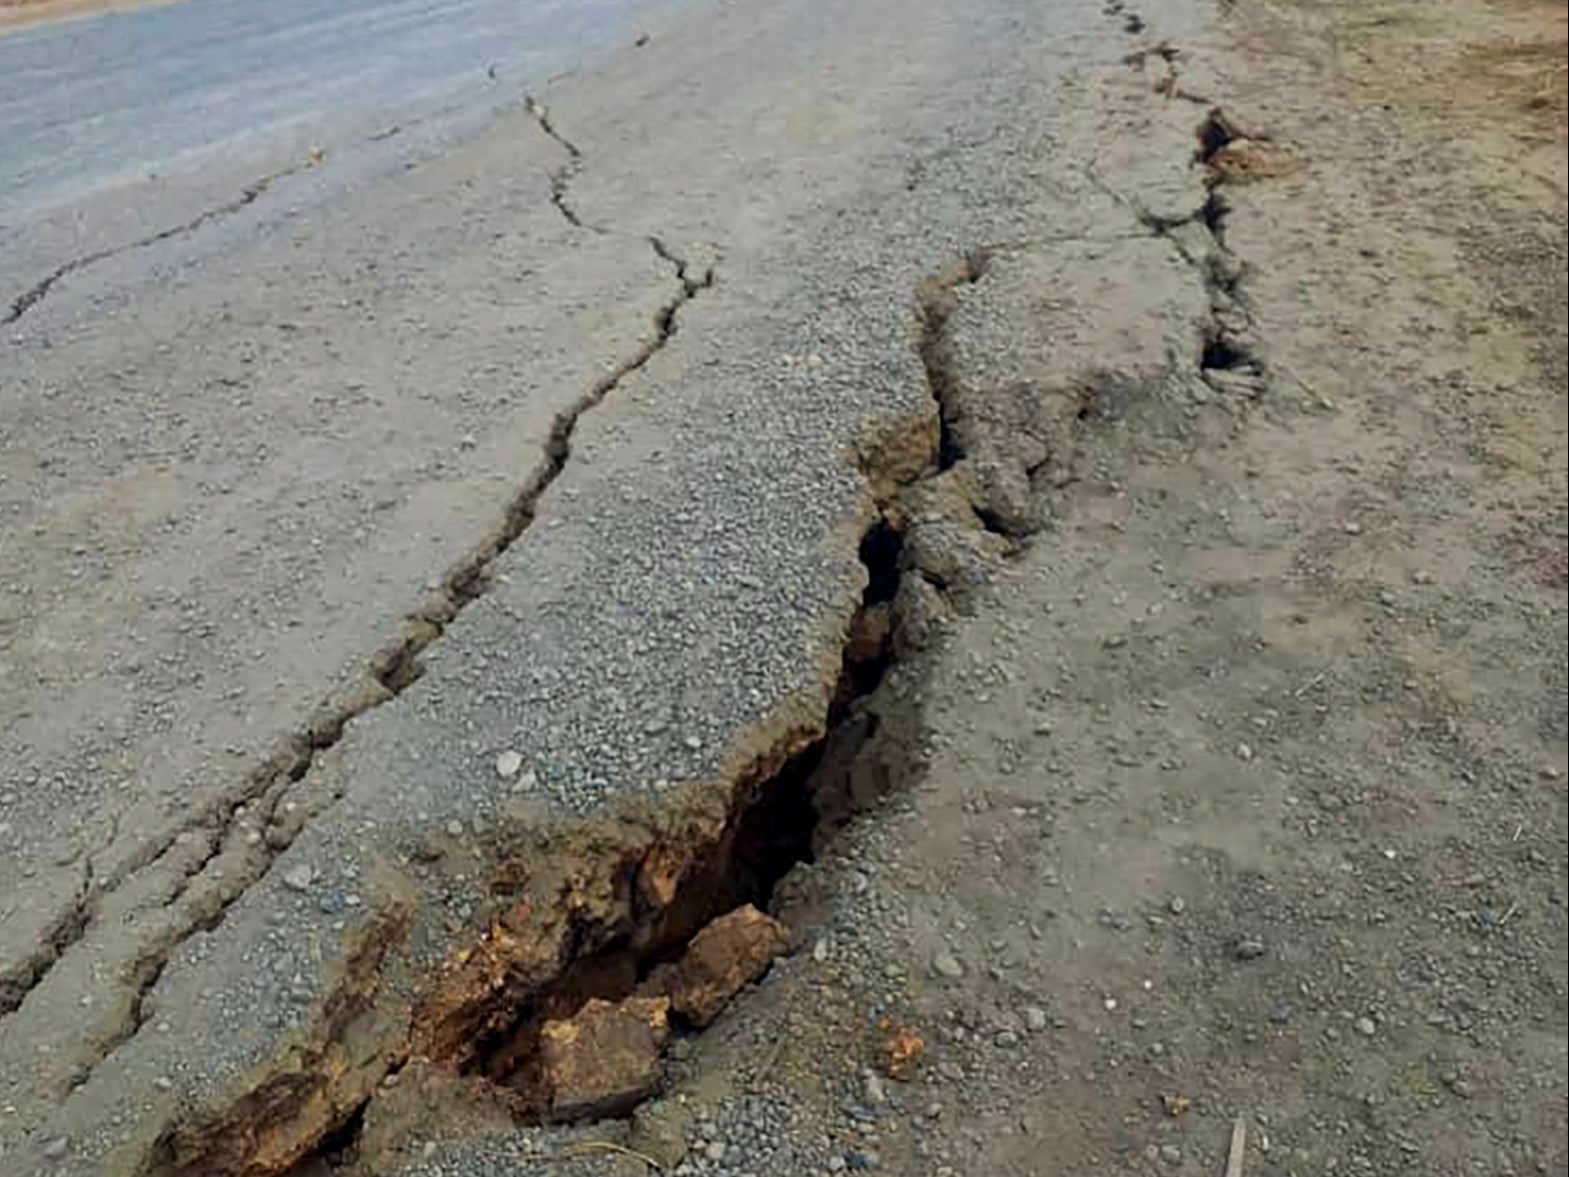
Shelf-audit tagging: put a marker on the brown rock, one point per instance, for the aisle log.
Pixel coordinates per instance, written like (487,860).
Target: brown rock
(902,1048)
(604,1059)
(729,953)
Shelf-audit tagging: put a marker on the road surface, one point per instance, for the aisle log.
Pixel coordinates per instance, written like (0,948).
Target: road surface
(126,125)
(468,476)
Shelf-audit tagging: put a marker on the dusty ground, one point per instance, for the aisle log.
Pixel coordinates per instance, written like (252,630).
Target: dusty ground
(1242,788)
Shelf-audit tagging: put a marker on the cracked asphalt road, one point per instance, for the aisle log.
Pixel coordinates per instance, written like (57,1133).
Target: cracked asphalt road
(427,530)
(250,469)
(121,127)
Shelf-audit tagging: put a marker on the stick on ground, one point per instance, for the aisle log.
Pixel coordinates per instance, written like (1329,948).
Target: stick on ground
(1239,1144)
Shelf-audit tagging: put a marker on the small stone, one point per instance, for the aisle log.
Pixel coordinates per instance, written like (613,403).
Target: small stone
(1177,905)
(1353,528)
(873,1089)
(1367,1026)
(1245,751)
(863,1160)
(945,964)
(1248,948)
(1034,1019)
(55,1148)
(1171,1154)
(820,950)
(715,1150)
(1281,1012)
(659,1131)
(299,876)
(509,764)
(455,828)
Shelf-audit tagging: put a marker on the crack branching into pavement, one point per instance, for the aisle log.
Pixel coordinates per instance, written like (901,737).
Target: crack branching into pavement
(52,944)
(251,193)
(254,801)
(561,179)
(398,667)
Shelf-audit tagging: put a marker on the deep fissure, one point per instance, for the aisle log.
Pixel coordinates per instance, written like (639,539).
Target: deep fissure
(561,179)
(777,822)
